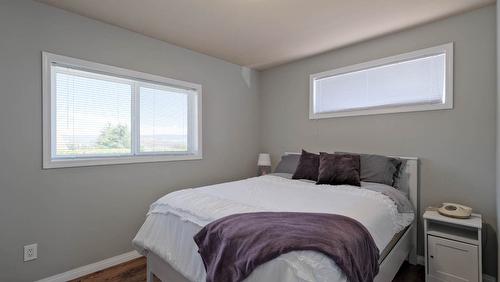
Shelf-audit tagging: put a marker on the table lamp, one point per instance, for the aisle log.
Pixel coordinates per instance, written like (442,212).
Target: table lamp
(264,163)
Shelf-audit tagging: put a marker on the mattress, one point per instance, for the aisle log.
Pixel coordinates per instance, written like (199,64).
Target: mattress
(174,219)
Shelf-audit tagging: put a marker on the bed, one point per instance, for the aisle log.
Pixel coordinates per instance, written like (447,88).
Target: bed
(166,237)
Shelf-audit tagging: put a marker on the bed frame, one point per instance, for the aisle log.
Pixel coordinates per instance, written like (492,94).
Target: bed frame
(405,248)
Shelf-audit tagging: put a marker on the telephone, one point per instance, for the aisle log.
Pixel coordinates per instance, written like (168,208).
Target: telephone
(455,210)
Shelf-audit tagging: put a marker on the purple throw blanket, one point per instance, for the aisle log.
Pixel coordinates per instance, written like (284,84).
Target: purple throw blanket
(233,246)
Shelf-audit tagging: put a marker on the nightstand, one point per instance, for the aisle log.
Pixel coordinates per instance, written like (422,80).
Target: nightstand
(452,248)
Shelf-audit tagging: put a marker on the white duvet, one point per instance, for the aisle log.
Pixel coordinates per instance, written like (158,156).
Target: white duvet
(174,219)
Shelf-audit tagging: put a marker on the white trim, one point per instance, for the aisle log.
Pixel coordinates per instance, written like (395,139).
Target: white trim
(411,175)
(137,79)
(91,268)
(119,160)
(420,260)
(448,100)
(50,58)
(488,278)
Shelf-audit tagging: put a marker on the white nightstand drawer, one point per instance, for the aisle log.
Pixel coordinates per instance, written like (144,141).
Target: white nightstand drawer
(449,260)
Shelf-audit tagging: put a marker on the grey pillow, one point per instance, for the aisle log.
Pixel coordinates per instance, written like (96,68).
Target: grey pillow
(380,169)
(288,164)
(400,177)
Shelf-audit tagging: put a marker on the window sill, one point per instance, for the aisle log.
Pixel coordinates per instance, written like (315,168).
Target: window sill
(389,110)
(62,163)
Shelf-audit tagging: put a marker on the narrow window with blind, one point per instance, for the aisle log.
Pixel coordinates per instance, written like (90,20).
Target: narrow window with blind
(96,114)
(415,81)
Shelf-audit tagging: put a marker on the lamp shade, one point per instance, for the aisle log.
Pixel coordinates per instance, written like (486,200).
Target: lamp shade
(264,160)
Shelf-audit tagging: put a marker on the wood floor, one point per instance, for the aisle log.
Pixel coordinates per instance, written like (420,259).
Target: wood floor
(131,271)
(135,271)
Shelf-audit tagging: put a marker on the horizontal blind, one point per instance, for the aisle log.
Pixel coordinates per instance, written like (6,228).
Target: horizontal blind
(163,119)
(412,82)
(92,115)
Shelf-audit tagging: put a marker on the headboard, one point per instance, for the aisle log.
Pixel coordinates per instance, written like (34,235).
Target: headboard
(409,184)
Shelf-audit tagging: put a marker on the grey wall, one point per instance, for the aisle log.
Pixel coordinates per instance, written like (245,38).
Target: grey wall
(498,132)
(456,147)
(82,215)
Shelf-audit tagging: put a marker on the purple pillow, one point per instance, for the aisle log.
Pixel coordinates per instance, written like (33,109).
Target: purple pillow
(308,166)
(339,169)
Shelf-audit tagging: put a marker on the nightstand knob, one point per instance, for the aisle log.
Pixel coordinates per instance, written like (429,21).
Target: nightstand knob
(432,256)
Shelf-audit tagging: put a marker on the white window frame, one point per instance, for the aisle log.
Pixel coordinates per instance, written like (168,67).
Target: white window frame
(446,49)
(48,84)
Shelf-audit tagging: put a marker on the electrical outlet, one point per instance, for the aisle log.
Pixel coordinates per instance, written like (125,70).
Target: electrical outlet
(30,252)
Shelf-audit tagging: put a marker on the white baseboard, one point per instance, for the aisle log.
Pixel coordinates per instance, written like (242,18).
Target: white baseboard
(420,260)
(486,277)
(91,268)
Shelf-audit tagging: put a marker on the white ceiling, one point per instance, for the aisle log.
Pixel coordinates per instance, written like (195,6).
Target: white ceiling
(265,33)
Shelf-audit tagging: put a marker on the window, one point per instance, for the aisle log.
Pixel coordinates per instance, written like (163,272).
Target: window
(416,81)
(96,114)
